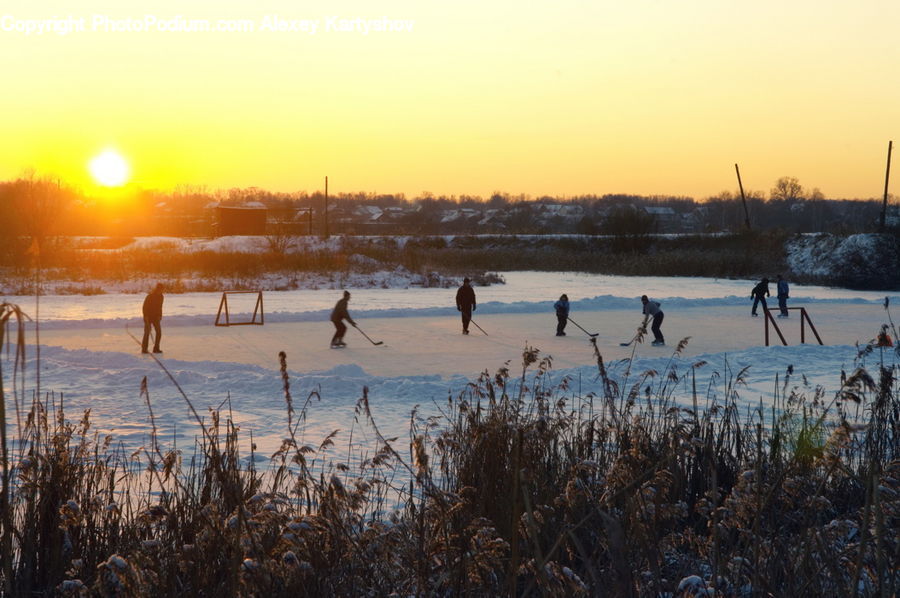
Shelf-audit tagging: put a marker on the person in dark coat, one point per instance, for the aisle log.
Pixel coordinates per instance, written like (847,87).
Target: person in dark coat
(338,315)
(759,294)
(465,303)
(782,290)
(651,309)
(562,314)
(152,310)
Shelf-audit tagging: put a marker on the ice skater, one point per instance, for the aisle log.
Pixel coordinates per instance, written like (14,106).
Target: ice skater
(783,290)
(562,314)
(465,303)
(338,315)
(651,309)
(152,310)
(759,294)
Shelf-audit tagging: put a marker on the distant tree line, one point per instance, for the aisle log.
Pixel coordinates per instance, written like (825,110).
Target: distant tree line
(39,208)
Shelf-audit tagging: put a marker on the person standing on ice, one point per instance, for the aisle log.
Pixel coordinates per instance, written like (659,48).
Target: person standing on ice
(152,310)
(651,309)
(759,294)
(338,315)
(465,303)
(782,290)
(562,314)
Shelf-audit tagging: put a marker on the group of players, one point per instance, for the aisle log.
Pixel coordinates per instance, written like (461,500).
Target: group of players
(465,304)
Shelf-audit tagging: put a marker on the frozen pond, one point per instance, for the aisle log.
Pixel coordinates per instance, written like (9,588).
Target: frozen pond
(521,288)
(211,364)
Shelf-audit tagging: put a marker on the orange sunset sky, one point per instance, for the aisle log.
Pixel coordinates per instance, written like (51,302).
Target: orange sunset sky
(463,97)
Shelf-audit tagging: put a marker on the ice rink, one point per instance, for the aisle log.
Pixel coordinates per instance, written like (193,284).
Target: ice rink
(434,345)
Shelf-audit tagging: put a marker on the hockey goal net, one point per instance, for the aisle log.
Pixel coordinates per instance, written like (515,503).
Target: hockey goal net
(805,321)
(238,312)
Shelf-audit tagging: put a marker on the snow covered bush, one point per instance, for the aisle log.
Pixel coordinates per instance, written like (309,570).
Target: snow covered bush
(862,261)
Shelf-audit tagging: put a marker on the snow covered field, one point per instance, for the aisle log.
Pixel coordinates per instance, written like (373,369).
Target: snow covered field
(89,356)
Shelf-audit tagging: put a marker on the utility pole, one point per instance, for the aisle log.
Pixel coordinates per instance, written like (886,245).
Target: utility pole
(326,207)
(887,178)
(743,199)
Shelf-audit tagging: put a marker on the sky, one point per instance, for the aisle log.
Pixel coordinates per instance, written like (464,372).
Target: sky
(565,98)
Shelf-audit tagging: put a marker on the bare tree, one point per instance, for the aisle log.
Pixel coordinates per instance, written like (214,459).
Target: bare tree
(38,203)
(787,189)
(281,237)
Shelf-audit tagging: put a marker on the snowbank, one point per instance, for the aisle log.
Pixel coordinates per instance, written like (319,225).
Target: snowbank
(855,261)
(108,382)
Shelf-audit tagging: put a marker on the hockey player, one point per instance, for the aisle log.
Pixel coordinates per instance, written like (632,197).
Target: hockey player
(338,315)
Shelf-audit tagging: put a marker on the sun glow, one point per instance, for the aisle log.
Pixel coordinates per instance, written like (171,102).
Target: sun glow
(109,169)
(564,99)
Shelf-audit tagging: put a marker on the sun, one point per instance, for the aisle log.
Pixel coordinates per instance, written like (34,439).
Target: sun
(109,169)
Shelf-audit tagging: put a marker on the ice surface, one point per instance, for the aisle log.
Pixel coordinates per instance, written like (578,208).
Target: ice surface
(524,292)
(88,358)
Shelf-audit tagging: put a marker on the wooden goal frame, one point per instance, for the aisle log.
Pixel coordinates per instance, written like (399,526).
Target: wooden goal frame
(258,309)
(804,320)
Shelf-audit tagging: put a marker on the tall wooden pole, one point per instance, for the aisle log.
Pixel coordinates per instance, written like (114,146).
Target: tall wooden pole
(887,178)
(326,207)
(743,199)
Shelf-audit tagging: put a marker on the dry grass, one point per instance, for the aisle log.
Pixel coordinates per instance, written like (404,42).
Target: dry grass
(738,255)
(520,487)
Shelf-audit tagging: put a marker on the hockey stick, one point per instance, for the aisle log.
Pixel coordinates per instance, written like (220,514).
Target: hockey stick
(478,327)
(633,340)
(367,336)
(590,334)
(152,337)
(641,331)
